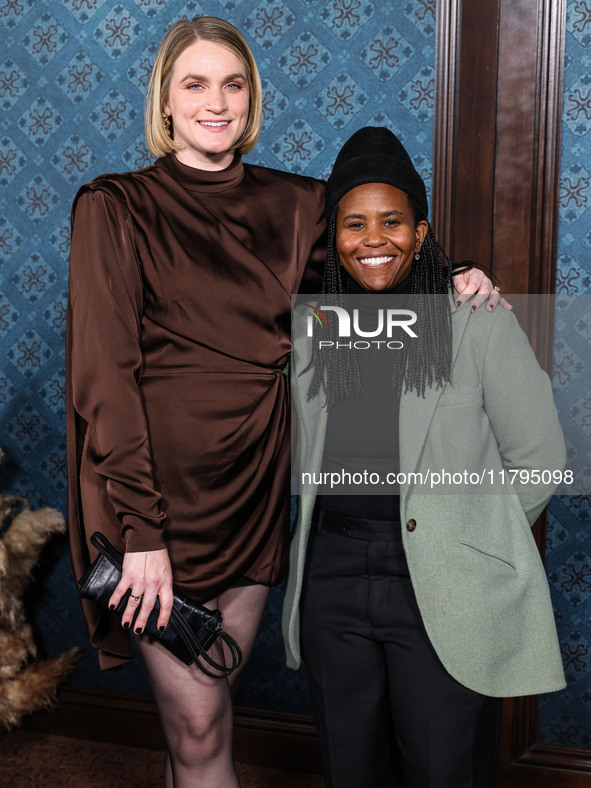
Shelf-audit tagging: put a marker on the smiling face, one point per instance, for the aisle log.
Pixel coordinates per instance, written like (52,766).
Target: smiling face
(208,100)
(376,235)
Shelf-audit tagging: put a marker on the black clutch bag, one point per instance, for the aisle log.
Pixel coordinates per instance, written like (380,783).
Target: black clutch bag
(192,628)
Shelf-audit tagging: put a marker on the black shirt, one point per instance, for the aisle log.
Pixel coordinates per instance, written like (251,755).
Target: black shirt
(362,433)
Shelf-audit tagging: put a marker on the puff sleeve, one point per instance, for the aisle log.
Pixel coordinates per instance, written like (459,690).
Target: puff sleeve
(312,276)
(105,361)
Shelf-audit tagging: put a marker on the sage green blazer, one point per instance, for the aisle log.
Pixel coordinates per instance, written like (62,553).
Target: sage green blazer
(474,565)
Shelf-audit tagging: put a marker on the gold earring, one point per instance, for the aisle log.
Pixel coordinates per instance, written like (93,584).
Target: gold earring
(166,119)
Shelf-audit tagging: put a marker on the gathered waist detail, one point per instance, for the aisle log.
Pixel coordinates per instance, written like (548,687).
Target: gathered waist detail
(238,369)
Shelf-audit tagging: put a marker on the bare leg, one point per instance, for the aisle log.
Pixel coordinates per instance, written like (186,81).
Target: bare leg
(195,710)
(242,609)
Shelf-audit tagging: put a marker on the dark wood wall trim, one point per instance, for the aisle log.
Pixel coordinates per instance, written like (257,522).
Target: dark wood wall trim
(499,66)
(546,766)
(550,81)
(274,739)
(444,136)
(498,106)
(465,110)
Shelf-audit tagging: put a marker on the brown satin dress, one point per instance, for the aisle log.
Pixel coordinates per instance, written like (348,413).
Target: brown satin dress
(178,335)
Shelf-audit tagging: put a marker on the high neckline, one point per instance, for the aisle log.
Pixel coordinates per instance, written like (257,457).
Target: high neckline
(196,180)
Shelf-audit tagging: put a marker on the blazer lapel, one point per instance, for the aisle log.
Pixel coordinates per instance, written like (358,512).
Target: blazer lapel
(312,416)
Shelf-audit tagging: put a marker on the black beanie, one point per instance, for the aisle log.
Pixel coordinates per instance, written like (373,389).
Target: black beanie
(374,155)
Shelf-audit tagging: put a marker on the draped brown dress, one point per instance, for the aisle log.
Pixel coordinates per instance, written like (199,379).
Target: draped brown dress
(178,335)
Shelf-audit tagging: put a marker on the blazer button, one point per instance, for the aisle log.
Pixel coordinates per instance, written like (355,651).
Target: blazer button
(411,524)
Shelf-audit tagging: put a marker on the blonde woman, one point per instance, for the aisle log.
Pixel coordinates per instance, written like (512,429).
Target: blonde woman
(179,315)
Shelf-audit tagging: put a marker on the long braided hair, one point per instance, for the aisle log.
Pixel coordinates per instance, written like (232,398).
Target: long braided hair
(422,363)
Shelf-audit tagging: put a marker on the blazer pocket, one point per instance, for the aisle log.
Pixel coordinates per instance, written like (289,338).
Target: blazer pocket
(488,554)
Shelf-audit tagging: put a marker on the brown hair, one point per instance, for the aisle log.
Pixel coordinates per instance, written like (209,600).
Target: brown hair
(181,35)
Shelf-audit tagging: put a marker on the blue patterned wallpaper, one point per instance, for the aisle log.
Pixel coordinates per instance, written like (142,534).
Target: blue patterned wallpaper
(565,717)
(72,80)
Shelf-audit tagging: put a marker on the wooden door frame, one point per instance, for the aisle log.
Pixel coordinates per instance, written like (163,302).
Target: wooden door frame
(498,104)
(498,115)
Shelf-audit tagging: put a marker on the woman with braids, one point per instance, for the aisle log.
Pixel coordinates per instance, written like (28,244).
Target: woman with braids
(178,333)
(416,612)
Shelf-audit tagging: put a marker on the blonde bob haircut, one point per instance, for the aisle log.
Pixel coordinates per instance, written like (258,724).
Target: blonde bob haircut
(181,35)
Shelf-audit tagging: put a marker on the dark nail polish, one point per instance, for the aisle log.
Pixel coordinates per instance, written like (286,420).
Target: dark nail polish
(473,309)
(161,629)
(111,607)
(139,631)
(126,625)
(458,303)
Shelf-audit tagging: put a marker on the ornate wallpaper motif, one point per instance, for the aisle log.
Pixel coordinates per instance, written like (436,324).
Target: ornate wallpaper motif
(73,76)
(565,717)
(72,80)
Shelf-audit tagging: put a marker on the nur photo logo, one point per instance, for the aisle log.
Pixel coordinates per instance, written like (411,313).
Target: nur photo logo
(381,326)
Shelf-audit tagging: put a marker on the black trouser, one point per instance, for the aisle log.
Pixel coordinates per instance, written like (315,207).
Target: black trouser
(387,711)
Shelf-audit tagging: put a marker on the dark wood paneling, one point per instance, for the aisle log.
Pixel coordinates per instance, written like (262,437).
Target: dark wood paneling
(497,136)
(286,741)
(547,766)
(496,175)
(528,131)
(473,85)
(515,144)
(444,137)
(92,714)
(543,777)
(550,81)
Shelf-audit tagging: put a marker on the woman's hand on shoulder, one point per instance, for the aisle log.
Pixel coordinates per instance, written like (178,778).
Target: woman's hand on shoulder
(474,281)
(148,575)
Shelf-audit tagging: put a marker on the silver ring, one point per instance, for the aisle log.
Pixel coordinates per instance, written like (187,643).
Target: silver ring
(135,596)
(496,288)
